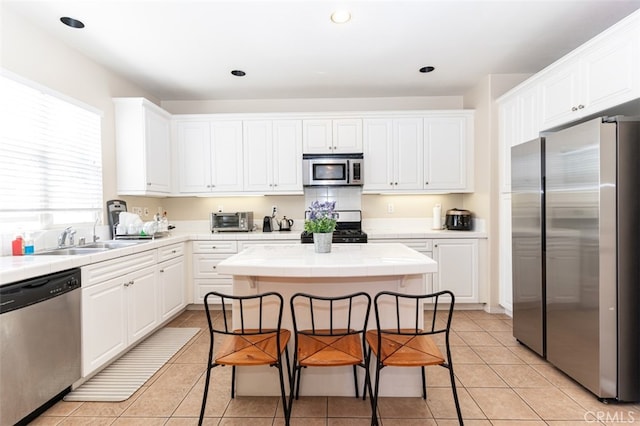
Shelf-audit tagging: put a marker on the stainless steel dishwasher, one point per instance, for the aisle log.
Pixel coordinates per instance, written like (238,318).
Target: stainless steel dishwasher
(39,343)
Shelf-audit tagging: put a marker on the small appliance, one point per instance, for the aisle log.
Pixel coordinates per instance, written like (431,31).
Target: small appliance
(332,169)
(285,224)
(114,207)
(266,224)
(348,228)
(231,222)
(458,220)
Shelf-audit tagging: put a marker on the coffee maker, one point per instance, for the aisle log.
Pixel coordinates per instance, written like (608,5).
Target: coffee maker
(266,224)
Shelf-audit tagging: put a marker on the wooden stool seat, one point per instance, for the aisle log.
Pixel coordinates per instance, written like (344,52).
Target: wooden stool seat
(405,350)
(329,351)
(251,349)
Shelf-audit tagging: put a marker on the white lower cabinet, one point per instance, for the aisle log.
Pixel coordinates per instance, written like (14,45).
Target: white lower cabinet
(206,256)
(127,298)
(119,306)
(171,280)
(457,268)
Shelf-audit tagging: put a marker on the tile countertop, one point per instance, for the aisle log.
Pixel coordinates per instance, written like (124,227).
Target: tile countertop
(16,268)
(344,260)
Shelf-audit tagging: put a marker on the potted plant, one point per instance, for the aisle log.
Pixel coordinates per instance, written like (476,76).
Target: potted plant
(321,223)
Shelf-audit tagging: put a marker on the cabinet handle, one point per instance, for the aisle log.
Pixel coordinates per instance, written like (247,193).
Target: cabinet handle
(214,267)
(426,183)
(173,251)
(580,106)
(161,270)
(396,183)
(148,183)
(574,108)
(214,247)
(127,284)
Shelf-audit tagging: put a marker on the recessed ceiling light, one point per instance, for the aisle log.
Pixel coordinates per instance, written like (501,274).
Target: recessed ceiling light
(341,16)
(426,69)
(238,73)
(70,22)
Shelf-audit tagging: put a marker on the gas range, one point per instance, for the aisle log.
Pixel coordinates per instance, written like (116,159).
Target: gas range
(348,228)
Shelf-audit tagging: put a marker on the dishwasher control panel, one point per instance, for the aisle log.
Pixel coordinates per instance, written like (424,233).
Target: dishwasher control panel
(34,290)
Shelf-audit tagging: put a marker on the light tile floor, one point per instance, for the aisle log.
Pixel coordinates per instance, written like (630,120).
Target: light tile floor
(499,381)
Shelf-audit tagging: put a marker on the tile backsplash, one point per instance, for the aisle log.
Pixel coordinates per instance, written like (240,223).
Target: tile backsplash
(346,198)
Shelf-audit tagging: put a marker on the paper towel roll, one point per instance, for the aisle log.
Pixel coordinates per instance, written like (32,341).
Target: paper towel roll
(437,214)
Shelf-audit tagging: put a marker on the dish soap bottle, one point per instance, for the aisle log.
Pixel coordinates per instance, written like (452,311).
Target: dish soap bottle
(17,246)
(28,244)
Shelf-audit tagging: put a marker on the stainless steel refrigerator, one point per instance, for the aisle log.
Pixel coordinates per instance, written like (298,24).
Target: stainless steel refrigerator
(527,237)
(590,240)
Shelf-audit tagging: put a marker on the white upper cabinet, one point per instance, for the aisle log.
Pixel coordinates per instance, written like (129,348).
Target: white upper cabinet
(143,148)
(448,165)
(393,154)
(419,154)
(209,156)
(273,156)
(603,74)
(324,136)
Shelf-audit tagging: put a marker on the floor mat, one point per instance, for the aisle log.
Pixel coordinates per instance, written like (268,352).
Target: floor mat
(124,376)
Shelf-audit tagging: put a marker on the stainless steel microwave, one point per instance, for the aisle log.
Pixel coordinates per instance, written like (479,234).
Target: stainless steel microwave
(332,169)
(232,222)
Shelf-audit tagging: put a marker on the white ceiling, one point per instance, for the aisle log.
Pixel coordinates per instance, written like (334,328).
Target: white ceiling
(185,49)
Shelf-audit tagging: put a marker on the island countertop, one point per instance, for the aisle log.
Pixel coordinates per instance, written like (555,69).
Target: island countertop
(344,260)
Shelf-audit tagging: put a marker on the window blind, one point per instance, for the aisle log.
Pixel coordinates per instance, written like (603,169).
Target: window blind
(50,158)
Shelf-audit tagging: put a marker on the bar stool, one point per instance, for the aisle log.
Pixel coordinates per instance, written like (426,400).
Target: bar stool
(260,340)
(400,338)
(329,332)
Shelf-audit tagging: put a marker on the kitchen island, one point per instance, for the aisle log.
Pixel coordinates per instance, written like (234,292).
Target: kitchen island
(349,268)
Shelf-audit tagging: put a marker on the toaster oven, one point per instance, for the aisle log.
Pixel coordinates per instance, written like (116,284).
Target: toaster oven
(231,222)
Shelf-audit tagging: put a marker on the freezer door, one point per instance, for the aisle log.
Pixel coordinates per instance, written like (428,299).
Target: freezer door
(526,239)
(580,259)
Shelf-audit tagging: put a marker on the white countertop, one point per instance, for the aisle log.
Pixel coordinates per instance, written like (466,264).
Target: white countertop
(345,260)
(16,268)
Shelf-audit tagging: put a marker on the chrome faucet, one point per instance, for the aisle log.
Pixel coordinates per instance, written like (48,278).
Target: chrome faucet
(62,239)
(95,237)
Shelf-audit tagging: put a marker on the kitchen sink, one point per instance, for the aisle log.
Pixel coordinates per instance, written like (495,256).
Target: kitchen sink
(110,244)
(91,248)
(73,251)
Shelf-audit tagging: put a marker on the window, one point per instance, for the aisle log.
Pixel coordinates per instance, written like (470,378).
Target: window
(50,158)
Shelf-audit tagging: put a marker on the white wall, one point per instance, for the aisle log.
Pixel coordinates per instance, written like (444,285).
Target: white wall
(33,54)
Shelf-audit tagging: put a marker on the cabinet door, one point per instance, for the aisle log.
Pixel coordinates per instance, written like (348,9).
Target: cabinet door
(317,136)
(287,155)
(504,251)
(226,156)
(508,122)
(378,154)
(445,153)
(408,153)
(347,136)
(194,157)
(611,72)
(142,303)
(258,156)
(104,327)
(559,95)
(158,152)
(171,284)
(457,268)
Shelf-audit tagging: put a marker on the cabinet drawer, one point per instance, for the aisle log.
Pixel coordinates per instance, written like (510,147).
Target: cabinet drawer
(420,245)
(171,251)
(244,244)
(202,287)
(220,246)
(103,271)
(205,265)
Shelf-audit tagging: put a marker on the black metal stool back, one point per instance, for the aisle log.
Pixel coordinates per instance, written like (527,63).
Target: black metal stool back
(258,339)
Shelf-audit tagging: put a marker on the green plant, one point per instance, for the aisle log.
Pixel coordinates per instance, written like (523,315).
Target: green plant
(321,217)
